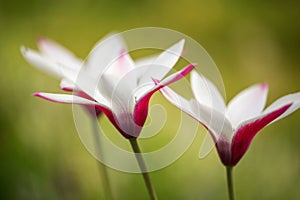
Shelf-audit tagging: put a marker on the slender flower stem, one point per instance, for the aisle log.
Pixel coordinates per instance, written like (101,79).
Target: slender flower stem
(140,159)
(101,167)
(230,182)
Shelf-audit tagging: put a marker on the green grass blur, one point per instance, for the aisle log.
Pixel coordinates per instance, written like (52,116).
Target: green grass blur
(41,154)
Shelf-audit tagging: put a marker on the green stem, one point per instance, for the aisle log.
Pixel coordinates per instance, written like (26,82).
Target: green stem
(230,183)
(141,162)
(101,167)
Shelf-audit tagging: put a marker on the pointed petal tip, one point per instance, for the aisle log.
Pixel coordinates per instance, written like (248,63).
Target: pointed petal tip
(189,68)
(179,45)
(290,104)
(67,89)
(264,86)
(41,39)
(181,42)
(156,81)
(287,106)
(23,50)
(37,94)
(40,95)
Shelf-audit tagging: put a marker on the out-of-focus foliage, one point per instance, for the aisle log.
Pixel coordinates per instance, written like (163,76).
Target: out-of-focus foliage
(41,154)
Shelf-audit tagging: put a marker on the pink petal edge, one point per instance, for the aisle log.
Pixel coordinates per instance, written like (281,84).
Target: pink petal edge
(66,89)
(245,134)
(141,108)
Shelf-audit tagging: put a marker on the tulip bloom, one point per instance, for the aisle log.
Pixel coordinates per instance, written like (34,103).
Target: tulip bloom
(233,127)
(110,81)
(126,104)
(54,59)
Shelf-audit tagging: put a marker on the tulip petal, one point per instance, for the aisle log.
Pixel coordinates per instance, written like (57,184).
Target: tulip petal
(141,107)
(72,99)
(291,98)
(174,77)
(104,54)
(42,63)
(247,104)
(119,74)
(58,53)
(85,82)
(177,100)
(214,121)
(69,99)
(247,131)
(65,98)
(206,92)
(158,67)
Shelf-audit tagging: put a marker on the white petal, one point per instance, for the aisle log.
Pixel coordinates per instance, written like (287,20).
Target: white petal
(288,99)
(45,64)
(65,98)
(178,101)
(104,54)
(206,92)
(168,80)
(215,121)
(121,91)
(169,58)
(121,70)
(59,54)
(86,83)
(158,67)
(247,104)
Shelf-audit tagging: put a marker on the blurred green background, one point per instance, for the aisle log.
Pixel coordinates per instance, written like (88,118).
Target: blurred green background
(251,41)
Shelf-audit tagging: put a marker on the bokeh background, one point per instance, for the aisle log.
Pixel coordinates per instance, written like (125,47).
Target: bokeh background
(41,154)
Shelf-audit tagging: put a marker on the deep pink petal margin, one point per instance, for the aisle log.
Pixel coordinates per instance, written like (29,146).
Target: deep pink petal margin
(141,108)
(243,137)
